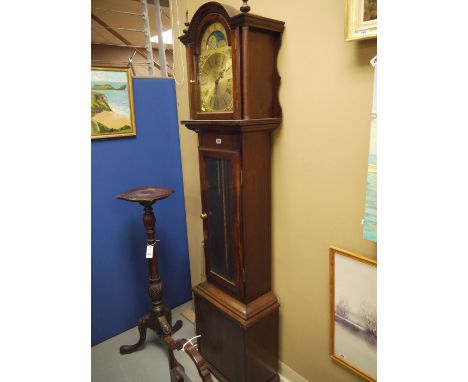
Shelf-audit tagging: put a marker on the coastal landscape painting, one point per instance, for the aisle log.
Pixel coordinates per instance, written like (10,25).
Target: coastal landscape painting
(353,312)
(111,103)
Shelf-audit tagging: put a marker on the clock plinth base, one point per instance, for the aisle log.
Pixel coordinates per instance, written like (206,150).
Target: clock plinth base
(239,341)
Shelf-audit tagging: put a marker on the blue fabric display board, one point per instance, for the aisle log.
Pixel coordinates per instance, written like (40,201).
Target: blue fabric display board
(119,273)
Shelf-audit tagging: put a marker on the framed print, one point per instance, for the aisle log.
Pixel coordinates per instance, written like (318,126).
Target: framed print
(360,19)
(111,103)
(370,209)
(353,312)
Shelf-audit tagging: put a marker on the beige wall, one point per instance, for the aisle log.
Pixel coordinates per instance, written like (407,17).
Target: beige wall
(189,149)
(319,165)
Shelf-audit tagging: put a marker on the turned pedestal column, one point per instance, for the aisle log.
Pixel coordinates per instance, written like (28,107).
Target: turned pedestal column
(160,317)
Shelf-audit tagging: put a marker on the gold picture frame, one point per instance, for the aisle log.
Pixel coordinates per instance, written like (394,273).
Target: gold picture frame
(112,113)
(360,19)
(353,312)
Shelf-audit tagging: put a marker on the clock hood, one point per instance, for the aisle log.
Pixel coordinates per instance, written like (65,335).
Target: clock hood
(233,18)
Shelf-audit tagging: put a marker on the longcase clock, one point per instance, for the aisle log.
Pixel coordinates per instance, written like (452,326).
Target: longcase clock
(233,93)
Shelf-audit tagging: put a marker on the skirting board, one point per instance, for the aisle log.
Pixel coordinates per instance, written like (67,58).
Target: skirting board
(189,314)
(287,374)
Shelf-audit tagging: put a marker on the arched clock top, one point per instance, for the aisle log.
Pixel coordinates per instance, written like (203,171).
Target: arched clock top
(216,36)
(207,13)
(233,18)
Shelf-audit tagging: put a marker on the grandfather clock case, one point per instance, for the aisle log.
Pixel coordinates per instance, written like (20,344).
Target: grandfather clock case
(234,107)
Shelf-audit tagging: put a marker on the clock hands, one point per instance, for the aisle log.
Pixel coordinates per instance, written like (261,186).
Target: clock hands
(220,75)
(216,98)
(216,89)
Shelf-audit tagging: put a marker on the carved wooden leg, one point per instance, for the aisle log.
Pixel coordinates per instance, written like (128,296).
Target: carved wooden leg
(160,318)
(178,375)
(167,329)
(173,363)
(177,325)
(142,327)
(195,356)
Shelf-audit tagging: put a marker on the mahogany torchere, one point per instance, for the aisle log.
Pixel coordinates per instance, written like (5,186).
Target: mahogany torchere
(234,108)
(160,317)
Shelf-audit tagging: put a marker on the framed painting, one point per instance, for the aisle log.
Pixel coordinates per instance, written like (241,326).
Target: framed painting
(353,312)
(370,210)
(360,19)
(112,112)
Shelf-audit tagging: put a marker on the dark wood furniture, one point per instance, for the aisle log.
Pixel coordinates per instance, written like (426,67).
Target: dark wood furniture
(160,317)
(177,371)
(236,312)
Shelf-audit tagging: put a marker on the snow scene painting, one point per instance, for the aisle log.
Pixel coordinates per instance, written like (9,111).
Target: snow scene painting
(353,310)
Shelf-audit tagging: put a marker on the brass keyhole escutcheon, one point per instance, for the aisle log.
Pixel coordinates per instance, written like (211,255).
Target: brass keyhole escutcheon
(203,215)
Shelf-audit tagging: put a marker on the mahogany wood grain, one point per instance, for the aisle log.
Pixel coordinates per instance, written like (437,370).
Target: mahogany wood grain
(160,317)
(237,351)
(260,85)
(219,141)
(239,328)
(245,72)
(244,313)
(239,322)
(256,213)
(232,126)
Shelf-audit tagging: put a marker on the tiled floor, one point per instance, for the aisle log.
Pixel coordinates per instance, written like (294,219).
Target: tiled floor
(146,365)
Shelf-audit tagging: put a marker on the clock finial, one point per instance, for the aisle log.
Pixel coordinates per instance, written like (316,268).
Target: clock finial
(186,23)
(245,7)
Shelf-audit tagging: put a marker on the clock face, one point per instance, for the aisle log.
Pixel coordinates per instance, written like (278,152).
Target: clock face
(215,71)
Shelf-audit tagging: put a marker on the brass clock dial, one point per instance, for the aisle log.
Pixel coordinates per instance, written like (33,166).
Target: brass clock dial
(215,71)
